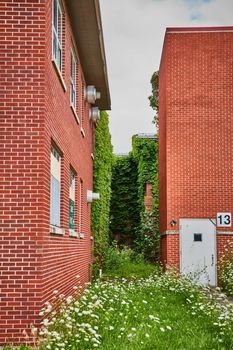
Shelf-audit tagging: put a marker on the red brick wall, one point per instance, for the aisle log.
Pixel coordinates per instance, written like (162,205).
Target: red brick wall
(35,110)
(148,199)
(196,140)
(162,146)
(169,251)
(22,57)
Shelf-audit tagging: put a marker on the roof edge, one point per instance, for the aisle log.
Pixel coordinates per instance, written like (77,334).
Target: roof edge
(198,29)
(85,16)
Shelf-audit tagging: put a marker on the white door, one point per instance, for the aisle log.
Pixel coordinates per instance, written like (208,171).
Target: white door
(198,250)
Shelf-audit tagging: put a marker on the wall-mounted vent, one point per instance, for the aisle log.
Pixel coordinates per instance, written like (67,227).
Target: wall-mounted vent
(91,94)
(94,114)
(91,196)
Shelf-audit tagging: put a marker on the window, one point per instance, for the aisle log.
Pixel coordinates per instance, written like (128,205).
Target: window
(55,187)
(81,207)
(72,79)
(82,102)
(72,201)
(57,33)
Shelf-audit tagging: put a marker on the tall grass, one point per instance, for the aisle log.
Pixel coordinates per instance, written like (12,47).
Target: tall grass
(135,307)
(226,269)
(126,263)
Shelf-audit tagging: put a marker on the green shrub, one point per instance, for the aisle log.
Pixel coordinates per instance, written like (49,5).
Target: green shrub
(226,270)
(116,258)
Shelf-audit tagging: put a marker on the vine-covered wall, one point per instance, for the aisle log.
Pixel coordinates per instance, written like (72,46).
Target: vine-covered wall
(125,211)
(103,162)
(145,151)
(130,223)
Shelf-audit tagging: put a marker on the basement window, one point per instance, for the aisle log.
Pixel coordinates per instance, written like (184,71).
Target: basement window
(57,33)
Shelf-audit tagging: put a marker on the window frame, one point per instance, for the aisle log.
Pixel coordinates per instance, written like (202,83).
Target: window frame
(72,197)
(57,33)
(81,208)
(73,79)
(55,154)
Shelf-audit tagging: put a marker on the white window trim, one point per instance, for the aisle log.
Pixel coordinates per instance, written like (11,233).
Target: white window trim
(57,230)
(73,81)
(54,32)
(73,233)
(80,221)
(55,171)
(72,192)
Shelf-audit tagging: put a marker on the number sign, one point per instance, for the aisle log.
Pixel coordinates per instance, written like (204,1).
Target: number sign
(224,219)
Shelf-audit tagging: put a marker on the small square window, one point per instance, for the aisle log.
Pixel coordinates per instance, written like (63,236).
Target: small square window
(197,237)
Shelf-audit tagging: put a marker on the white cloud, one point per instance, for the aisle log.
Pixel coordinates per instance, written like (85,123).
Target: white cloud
(134,32)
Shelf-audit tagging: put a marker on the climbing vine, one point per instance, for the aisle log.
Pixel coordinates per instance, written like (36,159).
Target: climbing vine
(131,224)
(103,161)
(145,151)
(125,212)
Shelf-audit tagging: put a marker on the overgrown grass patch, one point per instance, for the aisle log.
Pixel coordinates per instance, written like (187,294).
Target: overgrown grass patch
(157,312)
(133,270)
(126,263)
(136,307)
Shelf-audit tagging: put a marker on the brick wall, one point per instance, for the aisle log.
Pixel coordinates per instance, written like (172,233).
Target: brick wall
(35,110)
(162,145)
(148,199)
(196,112)
(169,251)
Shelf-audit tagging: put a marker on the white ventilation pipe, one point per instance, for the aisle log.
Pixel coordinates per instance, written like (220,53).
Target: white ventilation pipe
(94,114)
(92,196)
(91,95)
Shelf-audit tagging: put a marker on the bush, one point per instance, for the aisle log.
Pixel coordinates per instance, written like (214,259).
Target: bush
(226,270)
(115,258)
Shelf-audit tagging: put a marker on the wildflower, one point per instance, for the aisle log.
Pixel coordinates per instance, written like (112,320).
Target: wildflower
(45,322)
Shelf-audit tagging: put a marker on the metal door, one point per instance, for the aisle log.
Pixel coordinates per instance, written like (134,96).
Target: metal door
(198,250)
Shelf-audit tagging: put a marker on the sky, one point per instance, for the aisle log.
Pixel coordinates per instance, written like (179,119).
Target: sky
(133,36)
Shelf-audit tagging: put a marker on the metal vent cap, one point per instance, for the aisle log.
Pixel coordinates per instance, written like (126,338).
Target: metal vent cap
(94,114)
(91,94)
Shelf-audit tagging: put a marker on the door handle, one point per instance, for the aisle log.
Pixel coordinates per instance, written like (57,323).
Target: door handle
(212,260)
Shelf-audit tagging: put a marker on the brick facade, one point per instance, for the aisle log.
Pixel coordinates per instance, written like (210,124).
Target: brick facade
(35,112)
(195,133)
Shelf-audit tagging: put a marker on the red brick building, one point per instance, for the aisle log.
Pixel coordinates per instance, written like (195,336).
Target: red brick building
(51,56)
(196,148)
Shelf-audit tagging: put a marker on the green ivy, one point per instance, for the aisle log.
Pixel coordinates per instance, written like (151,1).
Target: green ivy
(103,162)
(130,223)
(125,212)
(145,151)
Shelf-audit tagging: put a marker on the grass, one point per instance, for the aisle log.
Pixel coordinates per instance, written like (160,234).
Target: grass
(132,270)
(149,313)
(155,320)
